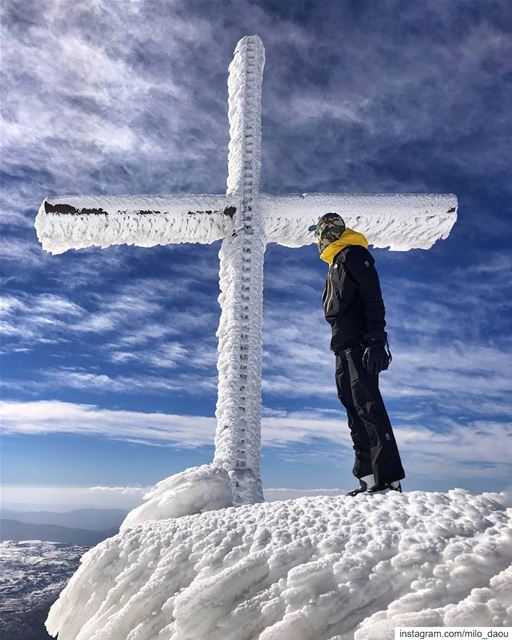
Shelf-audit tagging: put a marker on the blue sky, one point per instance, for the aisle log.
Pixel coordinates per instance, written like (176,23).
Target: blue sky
(109,356)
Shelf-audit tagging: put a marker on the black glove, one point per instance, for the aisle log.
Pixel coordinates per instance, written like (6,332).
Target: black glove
(375,357)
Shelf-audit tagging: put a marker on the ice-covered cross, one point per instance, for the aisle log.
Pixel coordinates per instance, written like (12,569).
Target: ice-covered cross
(245,220)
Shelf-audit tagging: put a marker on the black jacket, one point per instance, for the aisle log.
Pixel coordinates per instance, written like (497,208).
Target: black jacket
(352,299)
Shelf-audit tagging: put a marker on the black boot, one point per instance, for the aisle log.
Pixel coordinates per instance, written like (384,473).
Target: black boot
(364,483)
(385,486)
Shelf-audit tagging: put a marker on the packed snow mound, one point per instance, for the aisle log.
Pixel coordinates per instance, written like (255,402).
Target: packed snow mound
(318,568)
(194,490)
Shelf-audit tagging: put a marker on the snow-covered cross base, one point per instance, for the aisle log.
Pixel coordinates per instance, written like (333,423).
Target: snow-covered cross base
(245,220)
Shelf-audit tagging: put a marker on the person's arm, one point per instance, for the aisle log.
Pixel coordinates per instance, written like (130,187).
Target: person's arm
(361,266)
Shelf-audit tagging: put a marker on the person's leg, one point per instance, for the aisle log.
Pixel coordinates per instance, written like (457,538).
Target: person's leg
(386,465)
(361,442)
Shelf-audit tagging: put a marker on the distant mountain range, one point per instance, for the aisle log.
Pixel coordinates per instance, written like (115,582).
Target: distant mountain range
(95,519)
(82,526)
(15,530)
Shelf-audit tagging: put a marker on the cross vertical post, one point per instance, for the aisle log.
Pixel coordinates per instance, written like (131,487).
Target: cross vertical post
(238,435)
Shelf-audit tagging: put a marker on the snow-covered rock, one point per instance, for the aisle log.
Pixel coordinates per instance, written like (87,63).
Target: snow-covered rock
(317,568)
(194,490)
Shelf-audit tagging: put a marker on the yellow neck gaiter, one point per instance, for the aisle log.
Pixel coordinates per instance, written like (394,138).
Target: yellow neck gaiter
(349,236)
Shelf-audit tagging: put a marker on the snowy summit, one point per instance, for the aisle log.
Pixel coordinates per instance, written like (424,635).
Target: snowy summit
(323,568)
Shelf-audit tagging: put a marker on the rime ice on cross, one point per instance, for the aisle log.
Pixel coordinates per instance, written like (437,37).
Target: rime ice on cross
(245,220)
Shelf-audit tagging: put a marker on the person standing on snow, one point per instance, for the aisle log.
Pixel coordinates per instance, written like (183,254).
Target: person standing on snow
(353,306)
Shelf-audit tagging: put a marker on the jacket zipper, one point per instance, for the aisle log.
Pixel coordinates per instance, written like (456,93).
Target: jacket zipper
(330,290)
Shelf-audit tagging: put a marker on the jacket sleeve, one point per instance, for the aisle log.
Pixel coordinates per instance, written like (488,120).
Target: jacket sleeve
(360,265)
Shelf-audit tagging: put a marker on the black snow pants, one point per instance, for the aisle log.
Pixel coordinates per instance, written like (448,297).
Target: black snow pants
(372,435)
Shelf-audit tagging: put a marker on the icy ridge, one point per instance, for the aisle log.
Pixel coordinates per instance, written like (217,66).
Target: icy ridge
(323,568)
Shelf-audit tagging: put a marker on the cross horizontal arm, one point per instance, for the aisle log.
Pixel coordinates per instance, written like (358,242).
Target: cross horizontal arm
(400,222)
(75,222)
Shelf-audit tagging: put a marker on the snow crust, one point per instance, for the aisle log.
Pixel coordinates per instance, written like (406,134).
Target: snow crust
(194,490)
(322,568)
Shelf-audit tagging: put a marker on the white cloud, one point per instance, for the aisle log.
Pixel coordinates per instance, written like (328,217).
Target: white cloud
(63,498)
(21,255)
(166,356)
(187,382)
(82,91)
(46,416)
(448,449)
(33,318)
(136,321)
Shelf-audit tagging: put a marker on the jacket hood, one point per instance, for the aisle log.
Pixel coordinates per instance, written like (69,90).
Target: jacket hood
(348,237)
